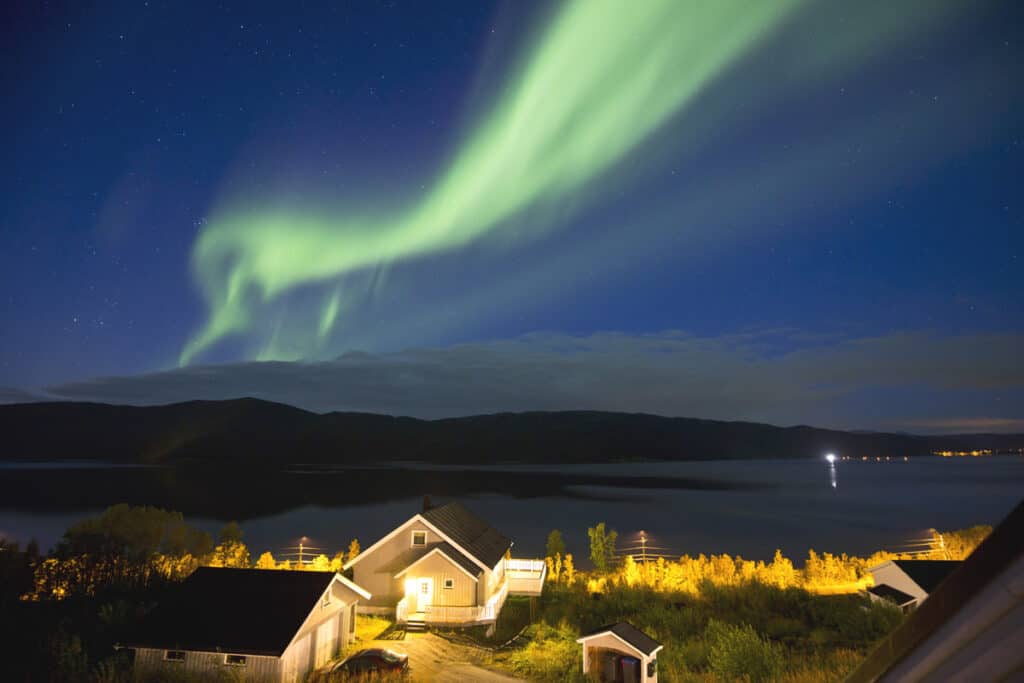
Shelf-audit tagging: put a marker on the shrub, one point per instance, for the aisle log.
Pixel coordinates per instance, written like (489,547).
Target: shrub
(735,651)
(552,654)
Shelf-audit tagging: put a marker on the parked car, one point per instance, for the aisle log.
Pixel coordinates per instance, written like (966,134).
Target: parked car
(374,661)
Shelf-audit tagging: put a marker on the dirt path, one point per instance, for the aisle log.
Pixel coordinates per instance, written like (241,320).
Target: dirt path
(432,658)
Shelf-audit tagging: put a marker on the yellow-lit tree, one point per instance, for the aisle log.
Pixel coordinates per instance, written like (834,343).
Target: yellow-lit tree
(338,561)
(353,549)
(569,569)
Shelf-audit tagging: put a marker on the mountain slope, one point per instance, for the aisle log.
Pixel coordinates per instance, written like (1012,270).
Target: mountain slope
(259,432)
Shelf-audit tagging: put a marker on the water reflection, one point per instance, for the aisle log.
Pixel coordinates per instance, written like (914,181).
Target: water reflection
(738,507)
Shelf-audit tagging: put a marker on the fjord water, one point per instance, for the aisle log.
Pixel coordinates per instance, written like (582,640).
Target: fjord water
(748,507)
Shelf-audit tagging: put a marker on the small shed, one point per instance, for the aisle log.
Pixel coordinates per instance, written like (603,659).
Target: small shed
(622,653)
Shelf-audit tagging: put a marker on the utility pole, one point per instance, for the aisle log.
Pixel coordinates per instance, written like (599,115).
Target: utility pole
(300,549)
(643,545)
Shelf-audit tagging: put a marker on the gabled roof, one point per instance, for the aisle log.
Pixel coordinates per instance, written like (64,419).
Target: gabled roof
(887,592)
(461,561)
(469,532)
(629,634)
(927,574)
(243,611)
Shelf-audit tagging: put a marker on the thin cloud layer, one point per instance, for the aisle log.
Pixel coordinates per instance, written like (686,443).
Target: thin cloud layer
(779,377)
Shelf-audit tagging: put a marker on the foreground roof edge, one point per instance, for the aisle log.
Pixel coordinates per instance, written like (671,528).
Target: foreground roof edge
(990,559)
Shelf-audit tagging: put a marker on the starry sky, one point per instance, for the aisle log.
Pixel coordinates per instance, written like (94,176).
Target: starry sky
(805,211)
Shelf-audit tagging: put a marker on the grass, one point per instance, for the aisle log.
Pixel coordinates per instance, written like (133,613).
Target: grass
(771,634)
(370,627)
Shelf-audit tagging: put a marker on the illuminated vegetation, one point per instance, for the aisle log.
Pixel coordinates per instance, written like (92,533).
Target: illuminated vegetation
(64,612)
(718,616)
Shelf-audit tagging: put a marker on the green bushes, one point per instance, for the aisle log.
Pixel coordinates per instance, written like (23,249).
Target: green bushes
(716,635)
(735,651)
(551,654)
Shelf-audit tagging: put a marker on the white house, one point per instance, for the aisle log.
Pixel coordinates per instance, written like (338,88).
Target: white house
(908,583)
(444,565)
(260,625)
(620,652)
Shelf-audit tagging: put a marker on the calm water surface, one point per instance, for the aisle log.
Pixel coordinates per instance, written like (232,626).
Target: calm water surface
(737,507)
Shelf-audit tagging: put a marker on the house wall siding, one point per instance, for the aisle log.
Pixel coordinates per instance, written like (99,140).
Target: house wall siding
(301,655)
(439,568)
(150,663)
(385,589)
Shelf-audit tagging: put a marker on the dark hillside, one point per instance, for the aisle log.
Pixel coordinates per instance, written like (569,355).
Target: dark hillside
(260,432)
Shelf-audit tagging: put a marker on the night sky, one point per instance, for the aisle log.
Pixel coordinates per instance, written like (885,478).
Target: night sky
(789,211)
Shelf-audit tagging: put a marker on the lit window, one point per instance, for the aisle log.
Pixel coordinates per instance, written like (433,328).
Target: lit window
(424,588)
(449,583)
(419,538)
(174,656)
(234,660)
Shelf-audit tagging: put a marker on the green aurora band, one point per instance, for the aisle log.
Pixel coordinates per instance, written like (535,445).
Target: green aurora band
(603,77)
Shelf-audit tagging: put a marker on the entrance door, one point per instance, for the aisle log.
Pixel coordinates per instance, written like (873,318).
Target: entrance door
(424,594)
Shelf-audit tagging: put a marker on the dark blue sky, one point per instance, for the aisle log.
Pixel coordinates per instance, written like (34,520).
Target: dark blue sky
(837,198)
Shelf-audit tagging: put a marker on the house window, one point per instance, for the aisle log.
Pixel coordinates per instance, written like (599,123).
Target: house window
(234,660)
(419,539)
(424,588)
(174,656)
(449,583)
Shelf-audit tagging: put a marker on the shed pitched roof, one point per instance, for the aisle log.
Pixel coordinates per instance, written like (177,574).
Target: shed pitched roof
(244,611)
(895,595)
(927,574)
(476,536)
(629,633)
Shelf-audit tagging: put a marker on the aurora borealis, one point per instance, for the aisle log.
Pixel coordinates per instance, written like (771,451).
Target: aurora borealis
(533,148)
(806,176)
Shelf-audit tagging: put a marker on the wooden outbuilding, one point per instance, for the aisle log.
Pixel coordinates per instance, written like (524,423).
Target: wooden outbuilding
(260,625)
(622,653)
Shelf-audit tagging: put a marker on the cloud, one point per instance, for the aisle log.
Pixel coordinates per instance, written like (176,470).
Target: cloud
(15,395)
(955,425)
(783,377)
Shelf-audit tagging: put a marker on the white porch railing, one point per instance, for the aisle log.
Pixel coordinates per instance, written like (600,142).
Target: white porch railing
(444,614)
(495,603)
(402,610)
(526,577)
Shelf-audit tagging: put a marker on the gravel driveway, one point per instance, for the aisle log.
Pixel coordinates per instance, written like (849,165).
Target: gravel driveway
(432,658)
